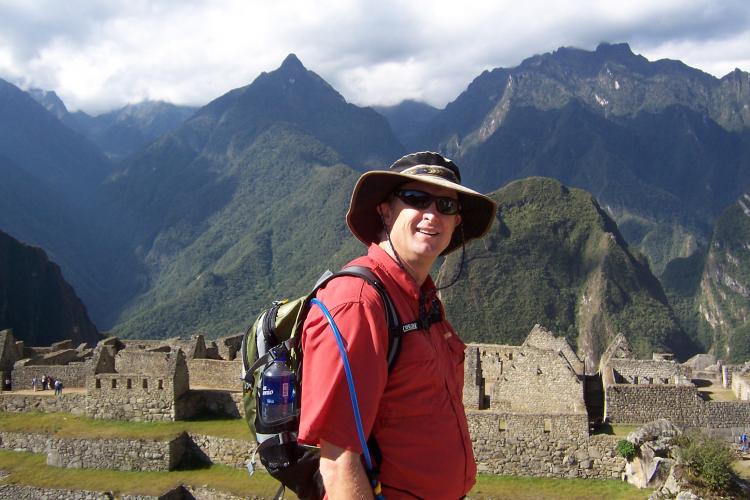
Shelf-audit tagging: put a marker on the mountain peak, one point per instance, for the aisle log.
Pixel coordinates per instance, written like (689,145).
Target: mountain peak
(614,49)
(292,63)
(50,100)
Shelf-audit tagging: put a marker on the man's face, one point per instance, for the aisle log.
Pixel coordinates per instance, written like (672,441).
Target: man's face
(419,235)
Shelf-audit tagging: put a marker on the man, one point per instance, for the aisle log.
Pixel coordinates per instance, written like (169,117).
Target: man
(408,215)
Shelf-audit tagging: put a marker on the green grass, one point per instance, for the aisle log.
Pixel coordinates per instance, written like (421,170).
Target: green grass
(68,425)
(31,469)
(619,430)
(528,488)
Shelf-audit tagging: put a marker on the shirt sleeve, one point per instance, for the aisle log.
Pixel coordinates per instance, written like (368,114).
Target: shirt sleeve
(326,411)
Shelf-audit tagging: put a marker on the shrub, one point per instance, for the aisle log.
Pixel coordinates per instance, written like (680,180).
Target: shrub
(626,449)
(709,461)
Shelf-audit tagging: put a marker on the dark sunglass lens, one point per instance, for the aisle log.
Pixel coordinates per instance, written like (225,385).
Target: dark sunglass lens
(447,206)
(416,199)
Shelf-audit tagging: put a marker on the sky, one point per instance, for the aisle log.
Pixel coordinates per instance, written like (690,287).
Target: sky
(101,55)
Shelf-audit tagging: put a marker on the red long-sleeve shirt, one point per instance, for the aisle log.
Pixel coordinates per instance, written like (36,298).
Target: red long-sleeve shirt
(416,411)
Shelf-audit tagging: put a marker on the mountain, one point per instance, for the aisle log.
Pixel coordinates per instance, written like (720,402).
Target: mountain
(555,258)
(35,300)
(124,131)
(242,203)
(724,295)
(407,119)
(120,132)
(37,142)
(51,102)
(50,174)
(664,147)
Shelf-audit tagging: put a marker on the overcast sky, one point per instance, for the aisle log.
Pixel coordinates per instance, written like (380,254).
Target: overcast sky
(98,55)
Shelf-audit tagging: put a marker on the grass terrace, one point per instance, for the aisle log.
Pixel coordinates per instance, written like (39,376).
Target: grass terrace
(31,469)
(69,425)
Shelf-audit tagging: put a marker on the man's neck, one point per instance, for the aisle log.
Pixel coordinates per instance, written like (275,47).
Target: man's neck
(418,271)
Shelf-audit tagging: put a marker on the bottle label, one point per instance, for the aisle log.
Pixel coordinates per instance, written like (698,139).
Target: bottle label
(277,390)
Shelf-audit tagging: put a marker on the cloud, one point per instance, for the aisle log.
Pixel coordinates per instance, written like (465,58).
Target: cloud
(99,55)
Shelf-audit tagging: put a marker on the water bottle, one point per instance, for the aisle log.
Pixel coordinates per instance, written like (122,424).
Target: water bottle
(278,388)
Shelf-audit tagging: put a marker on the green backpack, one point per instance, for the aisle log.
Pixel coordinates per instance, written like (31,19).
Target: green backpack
(274,338)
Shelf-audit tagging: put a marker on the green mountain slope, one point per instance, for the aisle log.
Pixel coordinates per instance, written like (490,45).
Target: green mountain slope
(664,147)
(271,240)
(724,294)
(243,203)
(48,176)
(555,258)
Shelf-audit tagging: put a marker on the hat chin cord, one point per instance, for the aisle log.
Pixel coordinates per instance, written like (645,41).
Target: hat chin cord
(403,267)
(388,236)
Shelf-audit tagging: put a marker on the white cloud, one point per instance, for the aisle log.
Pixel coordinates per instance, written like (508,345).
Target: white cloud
(98,55)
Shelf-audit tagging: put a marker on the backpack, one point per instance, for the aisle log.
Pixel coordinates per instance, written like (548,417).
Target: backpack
(277,332)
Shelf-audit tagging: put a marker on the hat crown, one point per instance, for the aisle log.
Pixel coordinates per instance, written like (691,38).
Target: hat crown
(445,167)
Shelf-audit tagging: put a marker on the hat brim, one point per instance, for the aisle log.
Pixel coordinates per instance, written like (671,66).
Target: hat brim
(477,210)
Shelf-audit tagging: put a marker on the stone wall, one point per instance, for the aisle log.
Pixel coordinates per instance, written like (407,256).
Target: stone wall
(215,374)
(209,402)
(142,362)
(544,339)
(646,371)
(44,402)
(56,357)
(741,387)
(530,380)
(635,404)
(473,395)
(229,347)
(131,397)
(21,441)
(565,451)
(15,491)
(116,454)
(224,451)
(72,375)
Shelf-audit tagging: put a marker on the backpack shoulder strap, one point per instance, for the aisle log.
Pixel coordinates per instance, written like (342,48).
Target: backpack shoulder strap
(395,328)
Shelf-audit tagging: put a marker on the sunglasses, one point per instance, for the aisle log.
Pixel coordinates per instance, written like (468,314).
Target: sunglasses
(421,200)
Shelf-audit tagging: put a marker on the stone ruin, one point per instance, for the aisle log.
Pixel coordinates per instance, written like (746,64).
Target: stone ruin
(138,380)
(638,391)
(531,408)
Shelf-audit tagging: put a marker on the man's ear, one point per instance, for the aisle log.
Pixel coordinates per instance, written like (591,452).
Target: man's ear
(384,209)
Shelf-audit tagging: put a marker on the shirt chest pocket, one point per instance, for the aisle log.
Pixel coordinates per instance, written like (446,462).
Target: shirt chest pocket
(415,376)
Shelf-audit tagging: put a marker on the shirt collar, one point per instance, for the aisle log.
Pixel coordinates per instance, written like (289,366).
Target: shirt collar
(385,262)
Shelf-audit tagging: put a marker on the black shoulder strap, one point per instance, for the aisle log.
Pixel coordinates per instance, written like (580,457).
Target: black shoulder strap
(395,328)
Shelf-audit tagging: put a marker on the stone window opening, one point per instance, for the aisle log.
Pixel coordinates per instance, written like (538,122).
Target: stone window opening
(130,384)
(98,383)
(161,384)
(114,383)
(145,383)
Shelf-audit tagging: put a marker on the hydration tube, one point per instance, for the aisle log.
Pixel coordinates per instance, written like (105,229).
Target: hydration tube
(352,395)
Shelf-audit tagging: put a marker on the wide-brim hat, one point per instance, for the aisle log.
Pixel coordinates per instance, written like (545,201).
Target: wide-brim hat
(374,187)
